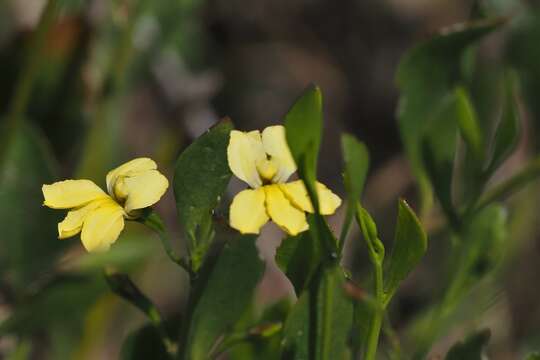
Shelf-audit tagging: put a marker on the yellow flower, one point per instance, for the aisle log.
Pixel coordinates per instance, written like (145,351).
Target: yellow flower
(99,216)
(265,163)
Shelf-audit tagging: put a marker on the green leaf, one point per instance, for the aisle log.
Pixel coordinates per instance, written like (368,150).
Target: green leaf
(410,245)
(469,125)
(507,133)
(426,75)
(29,241)
(144,343)
(320,323)
(220,299)
(471,348)
(298,257)
(334,315)
(296,330)
(356,158)
(200,178)
(303,128)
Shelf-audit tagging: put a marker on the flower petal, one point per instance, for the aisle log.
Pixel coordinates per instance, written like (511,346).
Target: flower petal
(275,145)
(144,189)
(282,212)
(102,227)
(248,213)
(73,222)
(243,152)
(71,193)
(128,169)
(296,192)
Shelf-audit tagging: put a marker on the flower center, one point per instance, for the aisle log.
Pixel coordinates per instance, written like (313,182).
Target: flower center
(120,190)
(267,169)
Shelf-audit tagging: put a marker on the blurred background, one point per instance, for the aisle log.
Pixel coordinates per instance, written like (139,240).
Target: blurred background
(119,79)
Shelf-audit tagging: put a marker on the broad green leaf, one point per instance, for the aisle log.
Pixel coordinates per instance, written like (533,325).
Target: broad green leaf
(220,299)
(469,125)
(325,309)
(507,133)
(144,343)
(356,158)
(303,126)
(298,257)
(200,178)
(334,315)
(426,74)
(471,348)
(29,240)
(295,342)
(410,245)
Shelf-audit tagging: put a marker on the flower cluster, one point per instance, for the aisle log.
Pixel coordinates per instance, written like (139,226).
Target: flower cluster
(262,160)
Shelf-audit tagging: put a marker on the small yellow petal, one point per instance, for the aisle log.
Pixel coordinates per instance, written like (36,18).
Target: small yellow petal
(71,193)
(73,222)
(282,212)
(144,189)
(296,192)
(328,201)
(128,169)
(102,227)
(243,153)
(248,213)
(275,145)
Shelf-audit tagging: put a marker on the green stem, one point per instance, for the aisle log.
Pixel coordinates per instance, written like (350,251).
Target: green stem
(122,286)
(153,221)
(376,322)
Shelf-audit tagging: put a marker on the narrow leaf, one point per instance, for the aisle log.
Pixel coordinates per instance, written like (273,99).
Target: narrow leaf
(507,133)
(410,245)
(356,158)
(303,126)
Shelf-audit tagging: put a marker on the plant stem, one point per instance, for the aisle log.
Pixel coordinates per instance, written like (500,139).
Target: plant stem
(376,322)
(153,221)
(122,286)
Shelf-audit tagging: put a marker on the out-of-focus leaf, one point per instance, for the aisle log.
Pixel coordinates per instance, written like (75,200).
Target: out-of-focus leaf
(29,235)
(334,315)
(224,295)
(468,124)
(410,245)
(426,74)
(303,126)
(471,348)
(507,133)
(62,302)
(201,176)
(144,343)
(356,158)
(364,312)
(533,356)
